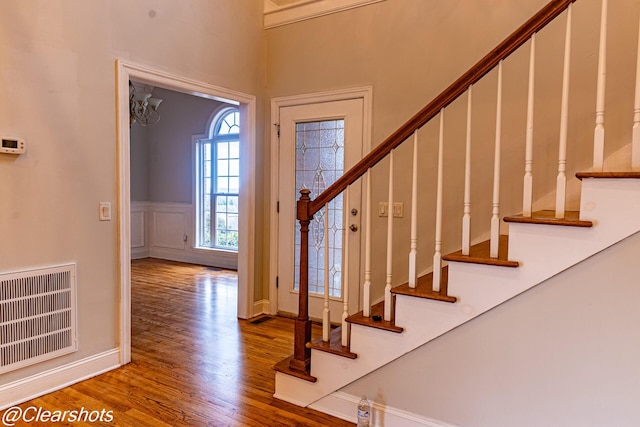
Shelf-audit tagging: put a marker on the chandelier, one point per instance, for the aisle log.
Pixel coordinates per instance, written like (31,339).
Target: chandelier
(142,107)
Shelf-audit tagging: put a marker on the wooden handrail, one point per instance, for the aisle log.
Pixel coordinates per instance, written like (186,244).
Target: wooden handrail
(306,208)
(538,21)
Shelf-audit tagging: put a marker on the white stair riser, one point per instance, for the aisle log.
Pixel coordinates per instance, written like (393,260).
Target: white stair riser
(613,204)
(542,250)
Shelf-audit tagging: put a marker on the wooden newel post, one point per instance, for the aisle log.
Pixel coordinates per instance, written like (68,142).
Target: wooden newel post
(301,354)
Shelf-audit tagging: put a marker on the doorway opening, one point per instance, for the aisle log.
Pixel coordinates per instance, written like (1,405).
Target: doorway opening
(246,106)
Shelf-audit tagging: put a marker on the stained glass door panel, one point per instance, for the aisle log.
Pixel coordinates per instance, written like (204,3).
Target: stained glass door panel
(319,163)
(318,143)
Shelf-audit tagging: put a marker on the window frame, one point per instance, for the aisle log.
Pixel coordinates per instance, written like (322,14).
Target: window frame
(213,139)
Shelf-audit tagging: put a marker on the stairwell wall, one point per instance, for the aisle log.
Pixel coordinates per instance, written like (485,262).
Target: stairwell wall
(562,354)
(411,50)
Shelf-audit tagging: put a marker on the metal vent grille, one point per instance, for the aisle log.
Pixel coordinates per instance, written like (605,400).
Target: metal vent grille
(37,316)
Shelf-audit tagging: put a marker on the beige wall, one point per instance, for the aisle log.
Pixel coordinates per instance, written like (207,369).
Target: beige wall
(169,143)
(565,353)
(410,50)
(139,163)
(58,90)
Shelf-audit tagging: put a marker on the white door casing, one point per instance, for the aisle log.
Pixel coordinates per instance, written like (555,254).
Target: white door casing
(354,106)
(247,105)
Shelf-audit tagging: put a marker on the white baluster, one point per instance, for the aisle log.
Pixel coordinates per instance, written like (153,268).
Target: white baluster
(598,134)
(466,216)
(495,211)
(635,142)
(561,181)
(527,196)
(366,297)
(326,315)
(437,256)
(413,252)
(345,271)
(387,288)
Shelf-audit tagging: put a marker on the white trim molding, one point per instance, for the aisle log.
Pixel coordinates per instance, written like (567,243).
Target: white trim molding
(345,406)
(248,111)
(42,383)
(366,94)
(261,307)
(275,15)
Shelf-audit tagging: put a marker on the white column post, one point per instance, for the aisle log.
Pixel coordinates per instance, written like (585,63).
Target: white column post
(437,256)
(345,270)
(387,288)
(466,216)
(495,211)
(413,252)
(561,181)
(527,195)
(598,135)
(366,297)
(326,315)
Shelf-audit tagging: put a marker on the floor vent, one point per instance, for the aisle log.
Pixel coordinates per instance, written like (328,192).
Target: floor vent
(260,320)
(37,316)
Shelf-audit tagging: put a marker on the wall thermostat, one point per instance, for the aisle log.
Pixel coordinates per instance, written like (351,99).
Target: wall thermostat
(13,145)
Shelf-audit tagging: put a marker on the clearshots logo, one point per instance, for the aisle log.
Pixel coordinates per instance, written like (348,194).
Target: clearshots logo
(34,414)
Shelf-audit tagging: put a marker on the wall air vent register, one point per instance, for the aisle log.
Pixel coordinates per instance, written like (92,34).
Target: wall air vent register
(37,316)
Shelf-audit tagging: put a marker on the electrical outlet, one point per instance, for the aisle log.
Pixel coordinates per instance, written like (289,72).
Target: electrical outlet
(398,209)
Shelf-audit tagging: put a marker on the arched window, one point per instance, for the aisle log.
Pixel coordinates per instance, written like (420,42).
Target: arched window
(218,182)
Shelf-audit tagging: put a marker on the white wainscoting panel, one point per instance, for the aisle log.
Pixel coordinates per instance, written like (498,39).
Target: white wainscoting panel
(137,229)
(169,229)
(139,241)
(165,231)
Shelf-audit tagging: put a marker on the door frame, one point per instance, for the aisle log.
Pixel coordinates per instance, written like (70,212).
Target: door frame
(247,104)
(366,94)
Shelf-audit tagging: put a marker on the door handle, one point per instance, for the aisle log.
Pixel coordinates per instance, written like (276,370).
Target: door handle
(353,227)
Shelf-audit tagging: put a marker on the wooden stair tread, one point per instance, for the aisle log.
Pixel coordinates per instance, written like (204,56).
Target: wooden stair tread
(283,367)
(479,254)
(333,346)
(627,175)
(424,288)
(376,310)
(548,217)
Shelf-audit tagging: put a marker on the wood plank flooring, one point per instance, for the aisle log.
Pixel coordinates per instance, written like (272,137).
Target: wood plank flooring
(194,363)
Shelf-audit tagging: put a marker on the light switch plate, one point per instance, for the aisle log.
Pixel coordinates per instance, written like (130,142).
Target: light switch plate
(398,209)
(104,211)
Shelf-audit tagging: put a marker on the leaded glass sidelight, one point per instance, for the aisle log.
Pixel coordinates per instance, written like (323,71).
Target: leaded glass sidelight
(319,163)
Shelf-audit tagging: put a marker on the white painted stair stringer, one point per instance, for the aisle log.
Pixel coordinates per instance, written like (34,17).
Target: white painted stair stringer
(542,250)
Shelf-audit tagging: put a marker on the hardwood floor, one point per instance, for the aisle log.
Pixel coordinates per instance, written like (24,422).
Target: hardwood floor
(194,363)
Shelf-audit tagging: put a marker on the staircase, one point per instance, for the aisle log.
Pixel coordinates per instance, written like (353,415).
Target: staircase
(466,283)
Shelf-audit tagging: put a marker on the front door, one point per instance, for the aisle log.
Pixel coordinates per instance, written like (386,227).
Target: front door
(318,143)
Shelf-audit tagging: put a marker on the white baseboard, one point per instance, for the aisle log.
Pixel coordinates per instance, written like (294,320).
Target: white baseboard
(344,406)
(139,254)
(219,260)
(40,384)
(261,307)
